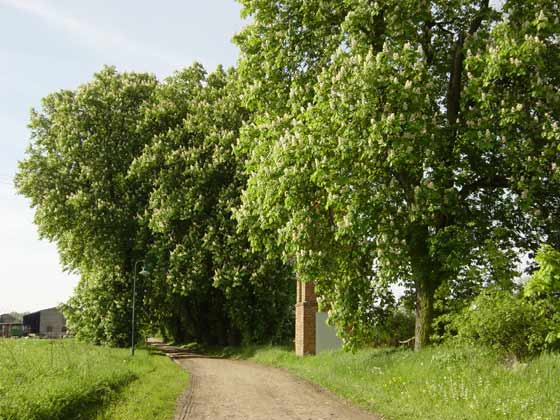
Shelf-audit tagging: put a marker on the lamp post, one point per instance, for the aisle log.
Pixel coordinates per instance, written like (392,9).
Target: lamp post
(143,272)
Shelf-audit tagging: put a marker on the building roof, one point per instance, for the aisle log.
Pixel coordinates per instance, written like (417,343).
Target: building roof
(43,310)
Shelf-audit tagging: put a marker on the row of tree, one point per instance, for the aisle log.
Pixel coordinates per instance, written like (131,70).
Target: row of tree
(360,144)
(126,169)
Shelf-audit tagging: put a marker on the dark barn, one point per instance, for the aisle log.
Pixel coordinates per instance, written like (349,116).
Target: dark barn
(32,322)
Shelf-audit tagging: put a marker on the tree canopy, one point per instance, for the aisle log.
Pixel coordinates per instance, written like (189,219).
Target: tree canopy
(75,174)
(399,142)
(126,169)
(220,289)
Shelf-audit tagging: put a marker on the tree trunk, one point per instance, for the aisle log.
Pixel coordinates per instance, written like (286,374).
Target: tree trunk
(424,314)
(427,279)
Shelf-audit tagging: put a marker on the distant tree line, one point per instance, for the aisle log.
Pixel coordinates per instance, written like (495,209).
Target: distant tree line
(360,144)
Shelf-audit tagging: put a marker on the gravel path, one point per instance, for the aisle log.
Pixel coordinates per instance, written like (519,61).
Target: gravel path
(239,390)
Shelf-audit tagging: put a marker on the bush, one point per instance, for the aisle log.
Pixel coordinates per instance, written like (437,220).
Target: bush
(504,321)
(16,332)
(543,291)
(521,325)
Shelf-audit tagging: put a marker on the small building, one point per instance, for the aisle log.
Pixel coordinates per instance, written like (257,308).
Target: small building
(10,326)
(48,323)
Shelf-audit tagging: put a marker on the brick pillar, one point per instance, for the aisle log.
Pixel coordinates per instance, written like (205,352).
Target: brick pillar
(306,308)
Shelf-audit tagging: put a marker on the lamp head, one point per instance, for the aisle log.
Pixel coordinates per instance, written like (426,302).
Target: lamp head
(144,272)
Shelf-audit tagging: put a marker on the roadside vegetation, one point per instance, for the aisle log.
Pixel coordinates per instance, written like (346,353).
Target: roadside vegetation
(44,379)
(459,381)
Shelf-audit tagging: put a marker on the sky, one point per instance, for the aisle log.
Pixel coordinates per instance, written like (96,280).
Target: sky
(48,45)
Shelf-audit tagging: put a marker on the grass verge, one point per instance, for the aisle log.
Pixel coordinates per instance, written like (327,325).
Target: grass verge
(65,379)
(443,382)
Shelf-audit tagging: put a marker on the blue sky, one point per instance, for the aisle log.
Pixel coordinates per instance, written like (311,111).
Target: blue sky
(49,45)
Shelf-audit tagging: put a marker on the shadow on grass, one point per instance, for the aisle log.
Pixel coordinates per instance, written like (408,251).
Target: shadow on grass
(387,351)
(194,350)
(85,406)
(243,352)
(154,351)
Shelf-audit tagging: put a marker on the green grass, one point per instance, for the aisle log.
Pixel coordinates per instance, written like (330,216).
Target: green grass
(65,379)
(437,383)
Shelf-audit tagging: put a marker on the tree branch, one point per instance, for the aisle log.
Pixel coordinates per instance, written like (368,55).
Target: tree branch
(377,31)
(491,182)
(426,39)
(456,74)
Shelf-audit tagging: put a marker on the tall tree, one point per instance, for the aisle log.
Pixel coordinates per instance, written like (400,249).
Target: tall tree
(75,173)
(218,289)
(399,142)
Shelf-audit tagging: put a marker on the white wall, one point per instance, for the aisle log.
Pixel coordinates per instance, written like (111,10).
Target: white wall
(326,338)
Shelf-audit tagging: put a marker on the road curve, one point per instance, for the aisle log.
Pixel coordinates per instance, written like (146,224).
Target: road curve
(240,390)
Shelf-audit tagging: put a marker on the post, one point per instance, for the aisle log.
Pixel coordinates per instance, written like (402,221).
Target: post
(144,272)
(133,306)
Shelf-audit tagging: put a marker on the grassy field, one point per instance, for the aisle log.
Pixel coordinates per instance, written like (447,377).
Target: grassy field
(438,383)
(65,379)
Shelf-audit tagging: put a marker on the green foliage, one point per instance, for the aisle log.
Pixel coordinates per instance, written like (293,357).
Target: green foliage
(399,142)
(42,379)
(75,173)
(524,324)
(16,332)
(99,310)
(492,268)
(545,282)
(210,276)
(361,145)
(12,316)
(441,382)
(83,142)
(395,330)
(503,321)
(127,169)
(543,291)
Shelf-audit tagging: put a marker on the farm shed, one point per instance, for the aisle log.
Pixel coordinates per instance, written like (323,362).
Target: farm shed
(45,323)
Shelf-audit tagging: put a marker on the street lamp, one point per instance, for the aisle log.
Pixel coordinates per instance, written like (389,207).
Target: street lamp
(143,273)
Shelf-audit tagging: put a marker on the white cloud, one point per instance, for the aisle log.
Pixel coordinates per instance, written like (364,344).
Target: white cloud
(100,39)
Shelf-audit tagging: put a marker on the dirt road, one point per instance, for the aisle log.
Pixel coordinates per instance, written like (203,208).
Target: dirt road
(239,390)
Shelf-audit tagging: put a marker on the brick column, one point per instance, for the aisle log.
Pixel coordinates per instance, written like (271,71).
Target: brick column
(306,309)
